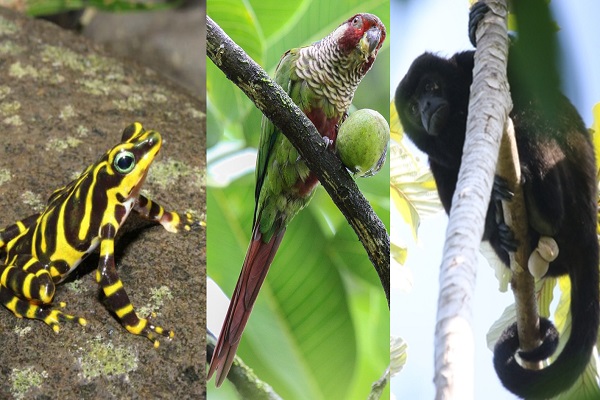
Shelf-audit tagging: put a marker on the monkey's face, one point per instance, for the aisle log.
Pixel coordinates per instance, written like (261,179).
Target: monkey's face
(428,106)
(432,101)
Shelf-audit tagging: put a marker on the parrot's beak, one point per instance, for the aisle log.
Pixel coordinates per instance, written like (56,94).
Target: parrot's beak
(370,40)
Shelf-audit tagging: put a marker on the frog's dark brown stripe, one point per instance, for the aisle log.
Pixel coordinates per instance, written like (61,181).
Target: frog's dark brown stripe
(151,208)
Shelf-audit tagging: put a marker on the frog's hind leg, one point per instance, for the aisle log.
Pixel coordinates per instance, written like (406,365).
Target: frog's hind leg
(12,231)
(27,289)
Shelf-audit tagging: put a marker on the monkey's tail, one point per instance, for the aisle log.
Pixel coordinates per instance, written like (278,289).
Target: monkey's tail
(575,356)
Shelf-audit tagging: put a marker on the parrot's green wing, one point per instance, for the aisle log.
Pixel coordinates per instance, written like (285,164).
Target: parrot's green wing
(285,77)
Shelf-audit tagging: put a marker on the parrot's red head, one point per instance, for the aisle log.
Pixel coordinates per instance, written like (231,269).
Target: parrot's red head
(363,34)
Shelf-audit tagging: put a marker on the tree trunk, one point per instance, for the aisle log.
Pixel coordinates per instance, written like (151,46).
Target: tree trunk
(488,109)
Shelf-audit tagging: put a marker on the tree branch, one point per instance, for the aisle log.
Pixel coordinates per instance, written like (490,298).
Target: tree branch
(515,215)
(489,105)
(378,387)
(243,378)
(272,100)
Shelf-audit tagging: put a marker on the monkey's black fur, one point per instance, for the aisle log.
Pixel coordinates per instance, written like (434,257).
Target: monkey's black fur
(559,183)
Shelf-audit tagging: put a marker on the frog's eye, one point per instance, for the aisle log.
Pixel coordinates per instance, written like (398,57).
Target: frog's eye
(124,162)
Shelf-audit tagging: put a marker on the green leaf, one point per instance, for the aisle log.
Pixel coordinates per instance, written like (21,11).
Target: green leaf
(276,18)
(302,319)
(228,103)
(412,187)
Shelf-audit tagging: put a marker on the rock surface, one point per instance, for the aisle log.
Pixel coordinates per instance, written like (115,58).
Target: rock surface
(63,103)
(170,41)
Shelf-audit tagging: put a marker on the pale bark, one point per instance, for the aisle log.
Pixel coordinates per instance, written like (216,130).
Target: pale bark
(488,109)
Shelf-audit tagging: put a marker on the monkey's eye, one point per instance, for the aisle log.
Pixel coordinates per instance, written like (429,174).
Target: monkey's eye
(431,86)
(413,108)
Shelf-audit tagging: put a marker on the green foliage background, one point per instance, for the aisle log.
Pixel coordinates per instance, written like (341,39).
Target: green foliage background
(320,328)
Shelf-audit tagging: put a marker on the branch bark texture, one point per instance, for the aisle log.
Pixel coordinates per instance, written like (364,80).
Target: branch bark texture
(489,106)
(515,215)
(272,100)
(243,377)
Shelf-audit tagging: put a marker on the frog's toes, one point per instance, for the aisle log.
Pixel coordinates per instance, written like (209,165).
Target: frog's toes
(190,223)
(169,334)
(53,318)
(151,331)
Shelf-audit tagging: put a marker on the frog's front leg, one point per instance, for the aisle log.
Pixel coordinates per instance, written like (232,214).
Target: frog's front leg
(117,299)
(27,289)
(171,221)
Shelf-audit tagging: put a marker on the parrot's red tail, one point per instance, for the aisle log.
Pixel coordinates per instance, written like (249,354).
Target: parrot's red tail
(257,262)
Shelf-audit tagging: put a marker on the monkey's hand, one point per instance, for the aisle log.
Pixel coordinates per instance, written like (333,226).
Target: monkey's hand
(501,192)
(476,14)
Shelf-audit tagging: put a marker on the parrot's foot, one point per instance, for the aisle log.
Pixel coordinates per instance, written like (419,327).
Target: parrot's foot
(328,142)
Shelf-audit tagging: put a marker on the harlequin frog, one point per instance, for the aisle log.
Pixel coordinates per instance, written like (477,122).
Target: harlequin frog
(41,250)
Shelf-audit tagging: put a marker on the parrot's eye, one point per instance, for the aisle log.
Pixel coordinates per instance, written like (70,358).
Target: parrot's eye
(356,21)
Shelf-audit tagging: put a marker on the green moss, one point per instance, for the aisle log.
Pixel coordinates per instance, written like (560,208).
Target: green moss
(10,48)
(159,98)
(9,108)
(67,112)
(77,286)
(5,176)
(60,144)
(34,200)
(16,70)
(102,358)
(95,87)
(62,56)
(158,298)
(168,172)
(195,113)
(23,380)
(51,77)
(82,131)
(14,120)
(7,27)
(88,64)
(132,103)
(22,331)
(4,91)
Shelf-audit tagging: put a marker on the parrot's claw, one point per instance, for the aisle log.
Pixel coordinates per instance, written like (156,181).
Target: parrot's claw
(328,142)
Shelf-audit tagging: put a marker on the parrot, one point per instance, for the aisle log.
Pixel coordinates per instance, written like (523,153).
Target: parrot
(321,79)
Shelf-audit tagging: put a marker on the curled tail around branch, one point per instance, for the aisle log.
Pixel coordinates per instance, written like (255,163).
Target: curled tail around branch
(572,361)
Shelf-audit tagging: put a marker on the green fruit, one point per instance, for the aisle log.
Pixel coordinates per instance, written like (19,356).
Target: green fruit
(362,142)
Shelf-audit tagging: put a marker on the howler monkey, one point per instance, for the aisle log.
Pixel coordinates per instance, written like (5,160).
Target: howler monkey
(559,183)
